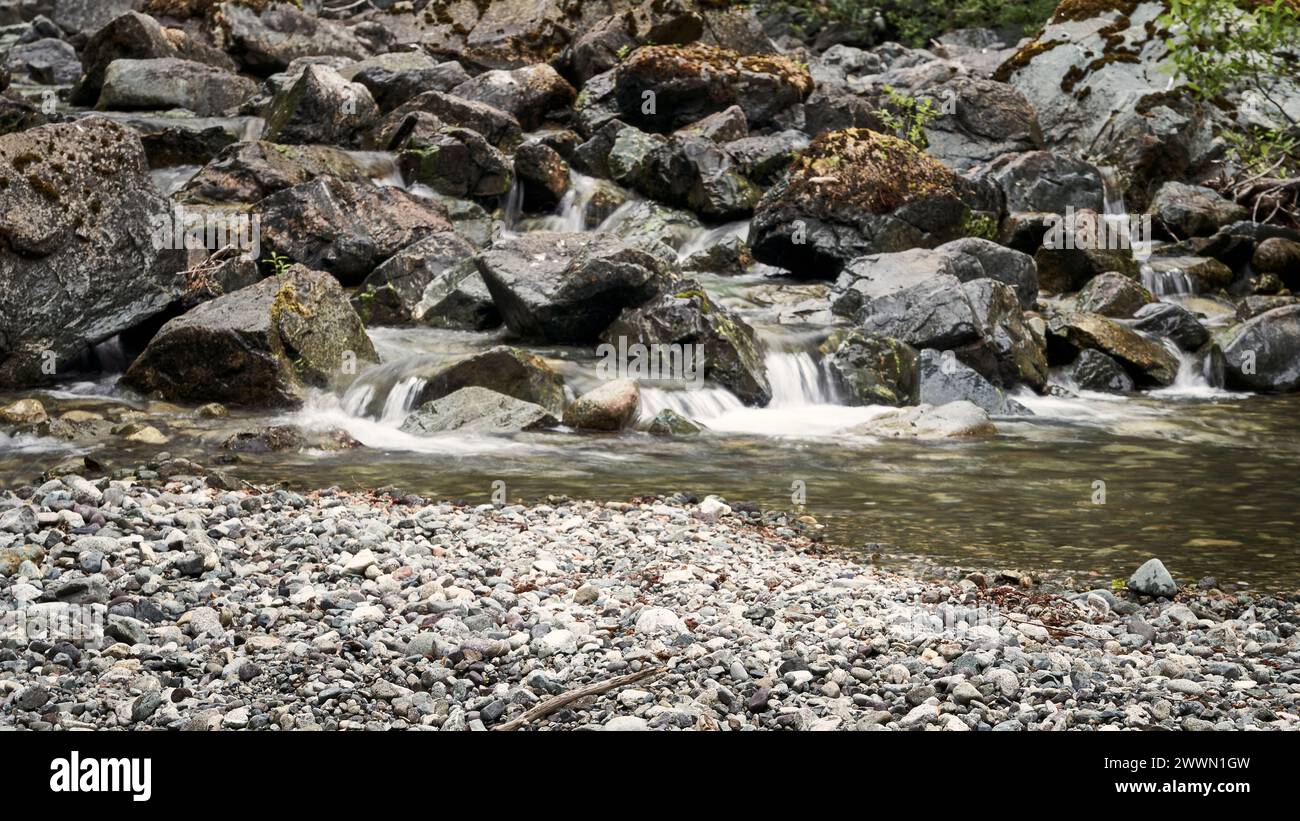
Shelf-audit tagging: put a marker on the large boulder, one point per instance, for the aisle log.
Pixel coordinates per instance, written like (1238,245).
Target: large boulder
(685,315)
(1181,211)
(1043,181)
(77,258)
(396,77)
(854,193)
(1263,353)
(261,346)
(1172,321)
(170,82)
(48,61)
(942,378)
(528,93)
(568,287)
(662,88)
(1114,295)
(1146,360)
(684,170)
(248,172)
(321,107)
(503,369)
(457,162)
(477,410)
(980,121)
(433,110)
(345,228)
(871,370)
(980,321)
(611,406)
(456,298)
(266,37)
(393,291)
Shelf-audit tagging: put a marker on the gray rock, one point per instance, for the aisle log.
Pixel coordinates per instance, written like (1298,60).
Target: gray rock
(477,410)
(1095,371)
(1263,353)
(1152,579)
(170,82)
(942,378)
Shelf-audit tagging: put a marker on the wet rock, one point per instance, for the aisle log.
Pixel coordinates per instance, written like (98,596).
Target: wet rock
(669,422)
(683,170)
(170,82)
(48,61)
(987,120)
(399,76)
(23,412)
(261,346)
(457,298)
(687,83)
(321,107)
(611,406)
(729,256)
(1145,360)
(955,420)
(1254,305)
(871,370)
(685,315)
(345,228)
(1152,579)
(457,162)
(1046,182)
(77,211)
(1206,273)
(1181,211)
(1095,371)
(1263,353)
(226,270)
(434,110)
(762,158)
(1114,295)
(288,439)
(854,193)
(528,93)
(502,369)
(942,378)
(247,172)
(392,292)
(568,287)
(1074,249)
(477,410)
(653,227)
(1278,255)
(544,175)
(721,127)
(270,38)
(1173,321)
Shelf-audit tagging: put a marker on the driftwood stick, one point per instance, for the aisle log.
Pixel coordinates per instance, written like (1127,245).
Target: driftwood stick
(563,699)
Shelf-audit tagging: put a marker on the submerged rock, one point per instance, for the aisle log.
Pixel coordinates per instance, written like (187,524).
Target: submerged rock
(611,406)
(951,421)
(261,346)
(477,410)
(854,193)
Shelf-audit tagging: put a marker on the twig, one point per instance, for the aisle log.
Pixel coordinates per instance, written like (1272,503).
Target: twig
(563,699)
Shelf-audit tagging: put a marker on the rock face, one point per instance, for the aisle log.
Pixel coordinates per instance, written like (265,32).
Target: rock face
(390,295)
(1263,353)
(477,410)
(321,107)
(1114,295)
(568,287)
(871,370)
(612,406)
(261,346)
(502,369)
(77,261)
(1152,579)
(854,193)
(980,321)
(1146,361)
(346,228)
(942,378)
(1181,211)
(170,82)
(686,316)
(662,88)
(955,420)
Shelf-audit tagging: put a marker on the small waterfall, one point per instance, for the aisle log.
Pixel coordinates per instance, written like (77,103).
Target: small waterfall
(797,380)
(380,167)
(1167,283)
(571,214)
(699,405)
(706,238)
(401,399)
(512,208)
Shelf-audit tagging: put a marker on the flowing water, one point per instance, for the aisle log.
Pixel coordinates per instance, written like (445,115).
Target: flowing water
(1091,484)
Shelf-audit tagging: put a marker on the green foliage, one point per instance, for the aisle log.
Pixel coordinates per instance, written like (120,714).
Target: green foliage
(982,225)
(908,117)
(914,22)
(278,262)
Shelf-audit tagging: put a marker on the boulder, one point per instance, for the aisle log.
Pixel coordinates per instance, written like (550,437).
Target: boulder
(399,76)
(392,292)
(1047,182)
(686,315)
(871,370)
(662,88)
(264,38)
(529,93)
(942,378)
(261,346)
(77,253)
(762,158)
(1095,371)
(170,82)
(48,61)
(730,255)
(1152,579)
(684,170)
(457,162)
(321,107)
(502,369)
(669,422)
(1114,295)
(955,420)
(1263,353)
(1145,360)
(980,120)
(1171,321)
(433,110)
(346,228)
(612,406)
(457,298)
(544,175)
(721,127)
(980,320)
(477,410)
(1278,255)
(854,193)
(1180,211)
(1190,272)
(568,288)
(23,412)
(247,172)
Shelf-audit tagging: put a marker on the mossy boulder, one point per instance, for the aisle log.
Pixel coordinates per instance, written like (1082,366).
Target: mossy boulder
(247,172)
(394,290)
(261,346)
(1146,360)
(858,192)
(871,370)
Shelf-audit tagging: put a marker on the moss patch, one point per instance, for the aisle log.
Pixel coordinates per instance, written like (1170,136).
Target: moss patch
(686,62)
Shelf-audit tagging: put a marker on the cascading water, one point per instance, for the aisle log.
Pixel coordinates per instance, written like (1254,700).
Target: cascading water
(1162,283)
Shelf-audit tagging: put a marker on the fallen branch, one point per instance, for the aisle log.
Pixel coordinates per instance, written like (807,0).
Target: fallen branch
(564,699)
